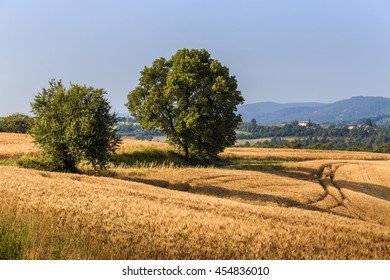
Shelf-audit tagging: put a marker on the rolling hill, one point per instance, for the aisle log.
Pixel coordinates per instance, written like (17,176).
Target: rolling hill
(343,111)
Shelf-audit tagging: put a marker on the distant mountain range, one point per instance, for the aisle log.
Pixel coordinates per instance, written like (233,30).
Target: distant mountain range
(342,112)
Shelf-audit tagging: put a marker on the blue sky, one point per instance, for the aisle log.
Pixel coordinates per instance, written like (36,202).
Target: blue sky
(279,50)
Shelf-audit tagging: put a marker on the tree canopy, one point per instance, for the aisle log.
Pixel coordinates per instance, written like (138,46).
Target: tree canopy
(17,123)
(74,124)
(190,97)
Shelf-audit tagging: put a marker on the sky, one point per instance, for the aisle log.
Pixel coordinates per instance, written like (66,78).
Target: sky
(279,50)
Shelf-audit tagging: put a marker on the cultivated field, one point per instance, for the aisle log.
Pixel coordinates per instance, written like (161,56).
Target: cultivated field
(14,145)
(267,204)
(300,154)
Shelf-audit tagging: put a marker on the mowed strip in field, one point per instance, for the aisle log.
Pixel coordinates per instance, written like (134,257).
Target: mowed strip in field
(302,210)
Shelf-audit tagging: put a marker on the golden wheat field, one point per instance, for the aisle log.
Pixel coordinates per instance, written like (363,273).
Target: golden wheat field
(300,154)
(13,145)
(313,205)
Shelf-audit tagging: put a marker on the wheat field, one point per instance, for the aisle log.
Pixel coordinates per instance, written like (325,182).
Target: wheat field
(15,145)
(300,154)
(330,207)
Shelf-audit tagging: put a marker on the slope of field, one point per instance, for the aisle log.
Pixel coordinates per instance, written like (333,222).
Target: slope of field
(311,185)
(333,207)
(118,219)
(366,185)
(355,188)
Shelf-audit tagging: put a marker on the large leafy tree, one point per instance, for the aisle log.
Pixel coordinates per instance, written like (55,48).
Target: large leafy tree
(74,124)
(190,97)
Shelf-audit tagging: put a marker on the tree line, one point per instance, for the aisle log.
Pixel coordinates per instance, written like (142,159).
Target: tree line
(366,137)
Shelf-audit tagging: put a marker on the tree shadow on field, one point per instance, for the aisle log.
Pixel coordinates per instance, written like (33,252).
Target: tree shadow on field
(312,175)
(153,182)
(377,191)
(221,192)
(272,166)
(300,173)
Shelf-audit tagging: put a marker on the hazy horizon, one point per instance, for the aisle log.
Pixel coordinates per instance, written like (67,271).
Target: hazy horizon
(125,111)
(279,51)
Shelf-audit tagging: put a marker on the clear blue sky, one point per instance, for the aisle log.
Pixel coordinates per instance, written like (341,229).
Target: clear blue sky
(279,50)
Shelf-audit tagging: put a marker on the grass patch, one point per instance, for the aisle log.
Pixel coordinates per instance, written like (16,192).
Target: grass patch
(39,163)
(155,157)
(149,157)
(33,237)
(14,238)
(11,161)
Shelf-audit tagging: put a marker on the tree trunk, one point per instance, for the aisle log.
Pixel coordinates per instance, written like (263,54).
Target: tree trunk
(186,151)
(70,163)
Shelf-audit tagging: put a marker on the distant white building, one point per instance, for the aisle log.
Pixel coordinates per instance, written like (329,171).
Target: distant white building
(304,123)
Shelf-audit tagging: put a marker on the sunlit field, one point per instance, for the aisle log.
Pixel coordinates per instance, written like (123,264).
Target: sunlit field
(258,204)
(300,154)
(15,145)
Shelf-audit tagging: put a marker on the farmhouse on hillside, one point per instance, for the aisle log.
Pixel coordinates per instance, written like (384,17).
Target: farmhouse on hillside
(304,123)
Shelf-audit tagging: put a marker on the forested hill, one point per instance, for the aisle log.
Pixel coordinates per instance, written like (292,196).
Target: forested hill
(341,112)
(366,137)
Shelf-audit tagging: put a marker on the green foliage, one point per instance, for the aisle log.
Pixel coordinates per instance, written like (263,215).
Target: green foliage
(16,123)
(192,99)
(384,148)
(354,138)
(74,124)
(382,121)
(39,163)
(149,156)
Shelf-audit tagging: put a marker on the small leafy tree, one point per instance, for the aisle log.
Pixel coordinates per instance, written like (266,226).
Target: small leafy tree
(17,123)
(74,124)
(191,98)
